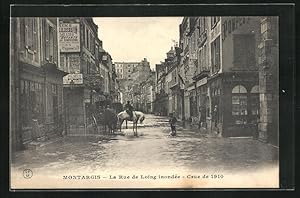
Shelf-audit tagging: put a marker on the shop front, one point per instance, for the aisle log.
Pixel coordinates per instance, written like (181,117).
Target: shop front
(240,104)
(41,103)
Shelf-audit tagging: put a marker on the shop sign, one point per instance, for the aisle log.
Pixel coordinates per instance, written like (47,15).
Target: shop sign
(69,37)
(201,82)
(77,79)
(191,88)
(74,63)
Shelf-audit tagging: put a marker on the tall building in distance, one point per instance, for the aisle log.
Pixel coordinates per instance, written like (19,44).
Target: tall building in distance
(130,76)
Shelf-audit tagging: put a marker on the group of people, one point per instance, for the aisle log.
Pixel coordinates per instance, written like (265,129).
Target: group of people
(173,120)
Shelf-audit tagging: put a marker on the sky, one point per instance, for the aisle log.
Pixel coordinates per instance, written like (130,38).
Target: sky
(131,39)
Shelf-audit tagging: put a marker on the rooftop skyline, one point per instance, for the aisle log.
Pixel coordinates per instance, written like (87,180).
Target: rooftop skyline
(131,39)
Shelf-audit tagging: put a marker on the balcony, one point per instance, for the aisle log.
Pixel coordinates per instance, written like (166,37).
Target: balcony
(202,74)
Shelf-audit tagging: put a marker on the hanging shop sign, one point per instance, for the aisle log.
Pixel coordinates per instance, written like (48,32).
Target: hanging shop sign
(76,79)
(69,37)
(74,63)
(201,82)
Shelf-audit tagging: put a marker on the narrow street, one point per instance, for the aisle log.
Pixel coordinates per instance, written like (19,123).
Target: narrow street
(190,151)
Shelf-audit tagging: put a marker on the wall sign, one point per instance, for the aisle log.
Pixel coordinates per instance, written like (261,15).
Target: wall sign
(69,37)
(74,63)
(77,79)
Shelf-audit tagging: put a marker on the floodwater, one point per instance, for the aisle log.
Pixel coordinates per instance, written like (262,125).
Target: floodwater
(152,149)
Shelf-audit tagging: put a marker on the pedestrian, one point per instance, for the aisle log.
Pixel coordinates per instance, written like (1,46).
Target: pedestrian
(172,122)
(216,115)
(200,118)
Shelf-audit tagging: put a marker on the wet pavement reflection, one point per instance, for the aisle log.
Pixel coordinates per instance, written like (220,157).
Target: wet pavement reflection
(189,150)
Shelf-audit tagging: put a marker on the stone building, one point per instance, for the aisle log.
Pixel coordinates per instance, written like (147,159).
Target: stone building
(233,81)
(79,53)
(216,73)
(129,76)
(36,80)
(268,80)
(202,105)
(124,70)
(161,97)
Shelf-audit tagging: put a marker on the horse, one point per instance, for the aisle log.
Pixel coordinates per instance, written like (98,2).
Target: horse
(141,116)
(123,115)
(110,120)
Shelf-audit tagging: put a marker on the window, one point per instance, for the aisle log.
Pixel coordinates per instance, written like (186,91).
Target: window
(86,37)
(30,35)
(239,104)
(50,42)
(254,97)
(32,103)
(215,55)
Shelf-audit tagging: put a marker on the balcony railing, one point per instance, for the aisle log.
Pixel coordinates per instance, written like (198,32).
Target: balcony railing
(202,74)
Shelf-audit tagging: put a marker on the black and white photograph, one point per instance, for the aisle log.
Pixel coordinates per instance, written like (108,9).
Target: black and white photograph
(144,102)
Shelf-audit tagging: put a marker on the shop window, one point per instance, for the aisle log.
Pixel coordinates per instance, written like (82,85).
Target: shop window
(32,103)
(239,104)
(254,97)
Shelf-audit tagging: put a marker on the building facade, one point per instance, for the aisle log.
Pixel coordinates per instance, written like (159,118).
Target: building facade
(130,76)
(216,75)
(36,80)
(268,80)
(80,51)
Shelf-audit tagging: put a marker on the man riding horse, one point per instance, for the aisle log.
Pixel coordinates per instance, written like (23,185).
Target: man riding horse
(129,109)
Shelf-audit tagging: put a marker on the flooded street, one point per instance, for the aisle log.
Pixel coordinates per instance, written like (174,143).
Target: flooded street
(152,148)
(152,151)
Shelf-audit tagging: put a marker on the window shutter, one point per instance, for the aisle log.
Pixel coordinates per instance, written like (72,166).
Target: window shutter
(46,41)
(35,33)
(35,39)
(26,31)
(30,33)
(55,45)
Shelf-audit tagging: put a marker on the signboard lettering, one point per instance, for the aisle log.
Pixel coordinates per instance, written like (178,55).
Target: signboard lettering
(69,37)
(76,79)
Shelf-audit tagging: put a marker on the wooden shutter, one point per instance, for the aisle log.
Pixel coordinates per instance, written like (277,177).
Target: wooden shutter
(46,40)
(55,46)
(35,39)
(26,31)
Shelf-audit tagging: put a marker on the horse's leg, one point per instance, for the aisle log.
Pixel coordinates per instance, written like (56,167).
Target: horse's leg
(121,124)
(136,128)
(126,125)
